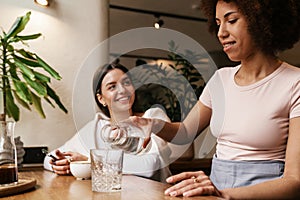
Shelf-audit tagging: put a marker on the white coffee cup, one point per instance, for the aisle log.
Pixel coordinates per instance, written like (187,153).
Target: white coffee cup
(81,169)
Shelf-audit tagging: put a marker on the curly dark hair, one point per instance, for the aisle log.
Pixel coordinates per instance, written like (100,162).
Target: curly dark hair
(273,24)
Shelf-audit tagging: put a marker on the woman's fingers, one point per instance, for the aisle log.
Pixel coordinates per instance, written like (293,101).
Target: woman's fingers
(63,154)
(63,162)
(62,165)
(199,190)
(190,184)
(61,169)
(183,176)
(182,186)
(190,188)
(74,156)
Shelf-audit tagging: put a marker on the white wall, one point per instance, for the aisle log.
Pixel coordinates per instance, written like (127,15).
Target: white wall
(71,29)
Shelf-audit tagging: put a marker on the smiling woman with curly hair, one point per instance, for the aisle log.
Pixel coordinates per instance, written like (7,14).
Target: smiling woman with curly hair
(274,25)
(252,109)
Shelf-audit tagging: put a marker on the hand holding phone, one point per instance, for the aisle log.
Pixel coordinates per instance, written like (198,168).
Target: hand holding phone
(53,157)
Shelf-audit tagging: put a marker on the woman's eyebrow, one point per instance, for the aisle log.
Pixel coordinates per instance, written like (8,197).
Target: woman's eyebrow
(227,15)
(110,83)
(125,78)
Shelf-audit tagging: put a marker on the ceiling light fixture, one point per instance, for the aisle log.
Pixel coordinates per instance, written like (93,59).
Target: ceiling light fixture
(157,13)
(158,23)
(42,2)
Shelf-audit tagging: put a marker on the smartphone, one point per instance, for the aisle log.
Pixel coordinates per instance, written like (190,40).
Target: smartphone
(53,157)
(45,151)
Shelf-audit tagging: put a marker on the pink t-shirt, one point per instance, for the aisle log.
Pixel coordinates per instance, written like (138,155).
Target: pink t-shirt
(251,122)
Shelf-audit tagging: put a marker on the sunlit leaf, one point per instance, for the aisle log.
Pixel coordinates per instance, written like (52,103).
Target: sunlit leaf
(21,102)
(38,87)
(11,108)
(36,100)
(28,61)
(18,25)
(25,53)
(29,37)
(26,70)
(22,91)
(47,68)
(42,77)
(12,71)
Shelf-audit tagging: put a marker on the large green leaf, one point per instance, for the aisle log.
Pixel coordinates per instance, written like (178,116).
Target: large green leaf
(25,53)
(21,102)
(22,91)
(27,61)
(13,28)
(13,71)
(23,38)
(48,101)
(53,96)
(10,48)
(37,86)
(41,77)
(29,37)
(11,108)
(18,25)
(36,100)
(26,70)
(47,68)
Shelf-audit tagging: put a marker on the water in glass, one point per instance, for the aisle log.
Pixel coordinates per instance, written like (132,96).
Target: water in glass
(106,165)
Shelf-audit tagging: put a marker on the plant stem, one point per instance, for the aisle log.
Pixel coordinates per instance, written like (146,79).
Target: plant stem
(3,114)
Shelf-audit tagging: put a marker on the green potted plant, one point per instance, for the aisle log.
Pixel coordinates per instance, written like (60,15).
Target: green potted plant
(20,78)
(184,80)
(175,87)
(24,80)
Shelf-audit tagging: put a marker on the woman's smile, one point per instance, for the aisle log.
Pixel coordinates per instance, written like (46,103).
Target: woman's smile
(123,99)
(227,46)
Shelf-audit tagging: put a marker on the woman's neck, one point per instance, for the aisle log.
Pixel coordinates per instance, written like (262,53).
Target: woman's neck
(120,116)
(256,68)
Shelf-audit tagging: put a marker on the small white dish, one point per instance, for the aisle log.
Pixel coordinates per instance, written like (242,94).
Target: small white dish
(81,169)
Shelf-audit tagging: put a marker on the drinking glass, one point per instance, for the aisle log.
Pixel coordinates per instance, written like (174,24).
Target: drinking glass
(106,166)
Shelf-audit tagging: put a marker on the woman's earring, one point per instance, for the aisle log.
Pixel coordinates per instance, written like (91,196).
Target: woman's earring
(104,104)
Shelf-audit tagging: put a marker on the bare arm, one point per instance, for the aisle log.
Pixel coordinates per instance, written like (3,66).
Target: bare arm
(184,132)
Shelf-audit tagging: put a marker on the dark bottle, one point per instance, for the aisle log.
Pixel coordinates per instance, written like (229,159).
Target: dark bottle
(8,154)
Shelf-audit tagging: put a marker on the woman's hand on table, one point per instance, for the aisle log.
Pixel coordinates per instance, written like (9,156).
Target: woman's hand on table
(191,184)
(61,165)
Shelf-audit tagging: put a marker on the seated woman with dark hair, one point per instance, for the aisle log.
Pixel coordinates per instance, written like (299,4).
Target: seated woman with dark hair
(115,96)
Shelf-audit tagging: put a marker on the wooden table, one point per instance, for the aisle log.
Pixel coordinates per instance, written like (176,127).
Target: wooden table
(51,186)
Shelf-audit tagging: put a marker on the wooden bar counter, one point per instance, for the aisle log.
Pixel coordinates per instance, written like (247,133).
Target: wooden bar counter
(51,186)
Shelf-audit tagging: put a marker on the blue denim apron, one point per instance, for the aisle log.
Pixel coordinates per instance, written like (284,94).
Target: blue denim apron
(231,174)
